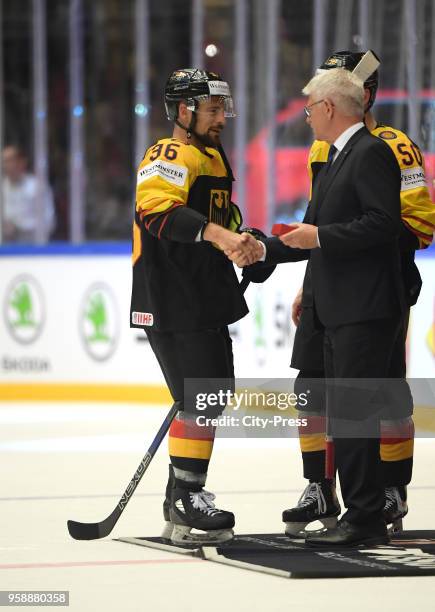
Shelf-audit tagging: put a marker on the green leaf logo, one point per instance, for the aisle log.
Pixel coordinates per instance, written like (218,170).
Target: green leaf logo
(99,322)
(24,309)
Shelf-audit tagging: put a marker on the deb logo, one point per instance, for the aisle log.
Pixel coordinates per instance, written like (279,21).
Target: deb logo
(99,322)
(24,309)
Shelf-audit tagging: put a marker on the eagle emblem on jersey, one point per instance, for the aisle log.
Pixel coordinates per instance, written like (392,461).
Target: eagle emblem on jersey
(387,135)
(219,206)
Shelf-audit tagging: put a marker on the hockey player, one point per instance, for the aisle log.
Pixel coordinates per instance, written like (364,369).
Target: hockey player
(319,500)
(185,291)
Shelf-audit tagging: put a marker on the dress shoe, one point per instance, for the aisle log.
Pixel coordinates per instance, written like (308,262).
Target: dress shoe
(351,534)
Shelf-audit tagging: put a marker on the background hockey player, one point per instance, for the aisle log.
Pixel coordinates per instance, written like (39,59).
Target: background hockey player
(185,291)
(319,500)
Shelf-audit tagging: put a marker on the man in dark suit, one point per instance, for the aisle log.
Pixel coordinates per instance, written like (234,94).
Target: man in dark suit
(349,234)
(319,500)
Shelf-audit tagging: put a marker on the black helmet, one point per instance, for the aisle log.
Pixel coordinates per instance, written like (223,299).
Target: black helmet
(193,85)
(349,60)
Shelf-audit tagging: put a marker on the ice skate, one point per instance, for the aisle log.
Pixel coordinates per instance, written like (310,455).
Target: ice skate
(317,503)
(195,510)
(184,510)
(395,508)
(168,528)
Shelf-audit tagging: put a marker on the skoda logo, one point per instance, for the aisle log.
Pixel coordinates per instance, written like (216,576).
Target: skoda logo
(24,309)
(99,322)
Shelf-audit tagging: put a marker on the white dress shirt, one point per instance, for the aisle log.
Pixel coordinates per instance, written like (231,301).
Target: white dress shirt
(345,136)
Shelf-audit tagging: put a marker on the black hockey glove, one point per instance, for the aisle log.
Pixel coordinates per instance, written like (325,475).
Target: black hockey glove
(260,271)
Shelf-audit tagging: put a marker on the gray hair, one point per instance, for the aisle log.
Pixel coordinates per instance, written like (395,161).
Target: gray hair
(340,86)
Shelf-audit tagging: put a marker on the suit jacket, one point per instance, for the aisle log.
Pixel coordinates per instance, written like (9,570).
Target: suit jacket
(356,273)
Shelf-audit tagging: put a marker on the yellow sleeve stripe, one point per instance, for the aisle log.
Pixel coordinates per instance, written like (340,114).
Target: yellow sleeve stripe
(427,223)
(159,208)
(418,232)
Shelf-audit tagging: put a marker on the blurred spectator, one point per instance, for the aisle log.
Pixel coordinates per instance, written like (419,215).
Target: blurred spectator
(20,205)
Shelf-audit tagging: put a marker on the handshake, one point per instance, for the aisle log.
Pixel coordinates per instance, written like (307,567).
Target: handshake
(243,249)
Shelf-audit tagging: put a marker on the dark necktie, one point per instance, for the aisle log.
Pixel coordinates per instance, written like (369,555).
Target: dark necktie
(332,152)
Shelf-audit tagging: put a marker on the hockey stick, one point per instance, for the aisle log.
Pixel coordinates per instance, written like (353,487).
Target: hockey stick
(94,531)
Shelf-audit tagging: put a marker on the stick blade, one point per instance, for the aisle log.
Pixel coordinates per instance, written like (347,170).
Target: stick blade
(84,531)
(90,531)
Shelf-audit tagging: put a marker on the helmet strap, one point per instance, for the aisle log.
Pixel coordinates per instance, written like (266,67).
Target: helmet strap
(191,129)
(183,127)
(370,102)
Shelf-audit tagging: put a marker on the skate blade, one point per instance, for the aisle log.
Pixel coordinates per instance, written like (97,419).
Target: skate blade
(298,531)
(396,527)
(181,534)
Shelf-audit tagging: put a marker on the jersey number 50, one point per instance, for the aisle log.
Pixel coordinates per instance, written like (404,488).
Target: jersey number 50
(410,154)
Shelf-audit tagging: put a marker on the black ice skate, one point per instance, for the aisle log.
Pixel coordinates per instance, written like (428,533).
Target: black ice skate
(184,510)
(395,508)
(317,503)
(167,531)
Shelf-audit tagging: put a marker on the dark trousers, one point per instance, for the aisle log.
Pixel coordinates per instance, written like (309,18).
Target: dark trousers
(205,356)
(193,363)
(308,358)
(358,351)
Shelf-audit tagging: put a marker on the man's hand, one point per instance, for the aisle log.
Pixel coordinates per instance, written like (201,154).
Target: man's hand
(301,236)
(244,245)
(297,308)
(251,251)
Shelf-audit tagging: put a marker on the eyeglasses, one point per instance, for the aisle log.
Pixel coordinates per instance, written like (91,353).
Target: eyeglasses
(307,108)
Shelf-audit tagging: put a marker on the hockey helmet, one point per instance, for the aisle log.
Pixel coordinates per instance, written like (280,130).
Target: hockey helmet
(193,85)
(349,60)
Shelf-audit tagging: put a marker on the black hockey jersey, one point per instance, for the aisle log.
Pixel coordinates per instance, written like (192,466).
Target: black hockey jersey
(179,283)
